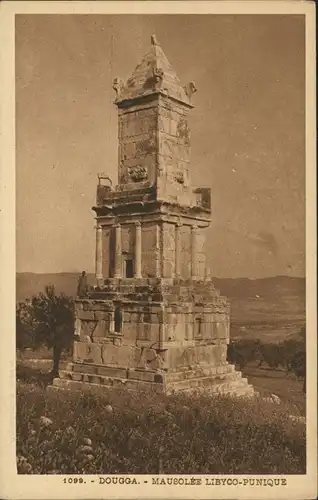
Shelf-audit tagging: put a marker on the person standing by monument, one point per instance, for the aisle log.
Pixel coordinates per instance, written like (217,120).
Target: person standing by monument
(82,285)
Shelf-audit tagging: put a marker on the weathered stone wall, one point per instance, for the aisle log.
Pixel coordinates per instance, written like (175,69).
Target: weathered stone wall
(128,237)
(151,336)
(210,325)
(174,153)
(185,254)
(141,324)
(131,356)
(200,257)
(138,147)
(168,250)
(188,322)
(150,253)
(158,249)
(106,354)
(107,252)
(178,325)
(154,146)
(174,140)
(183,356)
(95,322)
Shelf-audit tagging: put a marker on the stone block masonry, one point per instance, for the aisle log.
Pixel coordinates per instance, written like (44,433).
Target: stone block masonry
(154,320)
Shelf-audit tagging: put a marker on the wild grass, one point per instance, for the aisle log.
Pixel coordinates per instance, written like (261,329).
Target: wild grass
(269,381)
(119,433)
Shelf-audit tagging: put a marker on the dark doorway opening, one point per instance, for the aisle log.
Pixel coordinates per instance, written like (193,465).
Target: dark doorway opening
(118,320)
(129,268)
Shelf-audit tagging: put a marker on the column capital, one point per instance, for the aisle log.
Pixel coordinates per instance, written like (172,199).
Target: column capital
(138,223)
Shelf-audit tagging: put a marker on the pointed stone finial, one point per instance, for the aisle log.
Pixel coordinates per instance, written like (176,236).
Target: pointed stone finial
(154,40)
(154,74)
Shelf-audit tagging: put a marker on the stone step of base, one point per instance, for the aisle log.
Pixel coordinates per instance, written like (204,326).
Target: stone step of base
(92,378)
(247,391)
(228,387)
(106,383)
(117,377)
(89,378)
(146,376)
(201,372)
(197,372)
(214,382)
(74,386)
(236,388)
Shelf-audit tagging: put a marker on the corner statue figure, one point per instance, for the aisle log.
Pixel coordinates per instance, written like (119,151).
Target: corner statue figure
(82,285)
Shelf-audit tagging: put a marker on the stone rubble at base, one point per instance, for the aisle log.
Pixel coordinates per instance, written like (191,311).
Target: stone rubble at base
(154,320)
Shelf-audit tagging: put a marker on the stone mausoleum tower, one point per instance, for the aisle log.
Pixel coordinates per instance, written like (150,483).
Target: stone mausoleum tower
(154,319)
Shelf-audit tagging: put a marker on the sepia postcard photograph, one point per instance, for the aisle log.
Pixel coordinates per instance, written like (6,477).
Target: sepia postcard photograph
(158,242)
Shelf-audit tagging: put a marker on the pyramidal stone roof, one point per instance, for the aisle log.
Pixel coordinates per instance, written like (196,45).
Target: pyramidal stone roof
(154,75)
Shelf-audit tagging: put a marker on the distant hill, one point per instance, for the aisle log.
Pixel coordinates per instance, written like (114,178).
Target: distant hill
(28,284)
(282,295)
(272,307)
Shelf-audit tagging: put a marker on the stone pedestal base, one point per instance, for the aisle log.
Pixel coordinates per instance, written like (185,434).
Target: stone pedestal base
(222,379)
(155,335)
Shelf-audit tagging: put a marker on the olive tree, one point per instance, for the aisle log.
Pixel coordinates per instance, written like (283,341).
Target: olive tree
(47,319)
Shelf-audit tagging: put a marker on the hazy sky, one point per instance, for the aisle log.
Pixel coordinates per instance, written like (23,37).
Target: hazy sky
(247,132)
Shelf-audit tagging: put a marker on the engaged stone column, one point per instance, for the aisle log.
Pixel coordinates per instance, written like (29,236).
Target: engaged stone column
(138,251)
(208,275)
(194,230)
(112,322)
(161,326)
(178,250)
(118,256)
(158,253)
(99,255)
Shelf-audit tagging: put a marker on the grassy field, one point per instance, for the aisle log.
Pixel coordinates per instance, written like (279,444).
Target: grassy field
(123,433)
(61,432)
(286,386)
